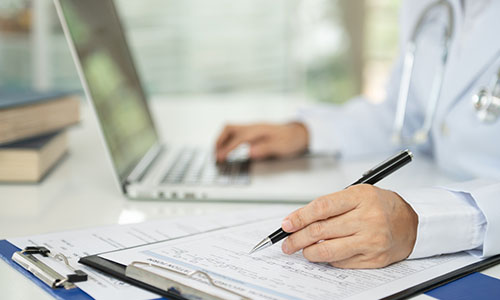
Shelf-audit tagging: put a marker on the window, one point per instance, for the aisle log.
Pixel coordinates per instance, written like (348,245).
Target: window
(329,50)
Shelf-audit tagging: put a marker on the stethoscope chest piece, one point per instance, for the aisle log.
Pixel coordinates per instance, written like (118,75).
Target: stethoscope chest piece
(487,103)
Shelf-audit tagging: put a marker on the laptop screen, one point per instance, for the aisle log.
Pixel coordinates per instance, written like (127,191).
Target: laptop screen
(112,80)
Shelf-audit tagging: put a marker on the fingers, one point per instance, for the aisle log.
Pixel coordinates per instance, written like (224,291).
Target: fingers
(340,226)
(226,141)
(225,135)
(333,250)
(360,227)
(236,139)
(265,140)
(320,209)
(347,252)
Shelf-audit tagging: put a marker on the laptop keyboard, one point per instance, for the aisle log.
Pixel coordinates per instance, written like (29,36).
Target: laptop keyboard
(193,166)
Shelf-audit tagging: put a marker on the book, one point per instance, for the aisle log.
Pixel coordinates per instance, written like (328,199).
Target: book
(29,114)
(31,159)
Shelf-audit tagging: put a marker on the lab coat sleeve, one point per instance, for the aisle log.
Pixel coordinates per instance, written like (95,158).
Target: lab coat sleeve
(356,129)
(464,216)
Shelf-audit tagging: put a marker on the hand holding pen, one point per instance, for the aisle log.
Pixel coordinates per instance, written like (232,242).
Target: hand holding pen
(360,227)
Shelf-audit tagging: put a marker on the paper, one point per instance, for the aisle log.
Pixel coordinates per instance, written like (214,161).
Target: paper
(270,274)
(79,243)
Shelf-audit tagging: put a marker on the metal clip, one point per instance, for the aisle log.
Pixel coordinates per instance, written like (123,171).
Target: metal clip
(137,271)
(26,258)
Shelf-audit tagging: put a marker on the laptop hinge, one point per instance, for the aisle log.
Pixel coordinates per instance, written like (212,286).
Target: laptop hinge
(142,167)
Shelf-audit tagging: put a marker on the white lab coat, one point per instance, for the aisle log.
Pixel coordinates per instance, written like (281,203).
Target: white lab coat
(466,215)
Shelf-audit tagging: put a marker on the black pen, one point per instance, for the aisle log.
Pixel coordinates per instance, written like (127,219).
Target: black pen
(372,176)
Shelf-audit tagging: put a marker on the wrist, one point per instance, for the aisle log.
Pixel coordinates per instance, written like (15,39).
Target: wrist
(406,225)
(412,220)
(301,134)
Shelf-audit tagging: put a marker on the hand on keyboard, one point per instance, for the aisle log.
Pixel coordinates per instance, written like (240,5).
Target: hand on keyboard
(265,140)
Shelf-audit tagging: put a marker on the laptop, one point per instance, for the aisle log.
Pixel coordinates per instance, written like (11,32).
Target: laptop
(144,166)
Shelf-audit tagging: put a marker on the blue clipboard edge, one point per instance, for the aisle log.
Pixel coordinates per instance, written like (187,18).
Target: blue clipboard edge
(6,251)
(446,278)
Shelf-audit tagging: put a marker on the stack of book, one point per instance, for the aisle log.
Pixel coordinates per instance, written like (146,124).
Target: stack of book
(33,132)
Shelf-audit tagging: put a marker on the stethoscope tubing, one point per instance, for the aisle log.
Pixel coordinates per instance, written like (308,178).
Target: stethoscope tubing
(421,135)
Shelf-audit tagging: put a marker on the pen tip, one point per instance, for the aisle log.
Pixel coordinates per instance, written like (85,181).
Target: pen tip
(263,244)
(254,249)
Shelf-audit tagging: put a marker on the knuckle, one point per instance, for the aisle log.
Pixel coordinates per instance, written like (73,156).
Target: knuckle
(316,230)
(321,204)
(324,252)
(299,220)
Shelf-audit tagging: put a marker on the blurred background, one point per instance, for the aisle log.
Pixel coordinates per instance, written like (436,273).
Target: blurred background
(327,50)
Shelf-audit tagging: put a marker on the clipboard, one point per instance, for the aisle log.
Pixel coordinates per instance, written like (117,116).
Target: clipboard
(135,275)
(437,282)
(119,271)
(124,273)
(7,250)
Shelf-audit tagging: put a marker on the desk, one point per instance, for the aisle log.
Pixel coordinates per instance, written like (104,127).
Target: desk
(81,191)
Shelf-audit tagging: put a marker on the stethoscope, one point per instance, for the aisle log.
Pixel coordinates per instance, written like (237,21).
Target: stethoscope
(422,134)
(486,101)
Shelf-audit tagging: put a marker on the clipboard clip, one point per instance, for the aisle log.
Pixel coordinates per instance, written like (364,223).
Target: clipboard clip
(137,271)
(26,259)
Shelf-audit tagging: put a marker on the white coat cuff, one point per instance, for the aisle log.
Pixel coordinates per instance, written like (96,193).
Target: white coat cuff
(486,195)
(447,221)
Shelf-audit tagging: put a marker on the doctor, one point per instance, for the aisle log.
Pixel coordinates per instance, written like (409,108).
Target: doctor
(368,227)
